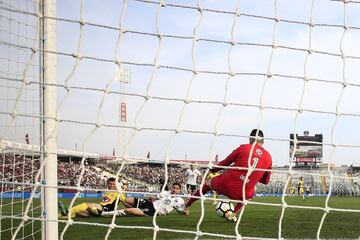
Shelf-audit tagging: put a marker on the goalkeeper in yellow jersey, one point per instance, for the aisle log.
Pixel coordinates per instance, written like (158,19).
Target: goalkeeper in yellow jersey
(94,209)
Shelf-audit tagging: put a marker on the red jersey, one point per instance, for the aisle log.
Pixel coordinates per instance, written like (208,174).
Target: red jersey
(231,182)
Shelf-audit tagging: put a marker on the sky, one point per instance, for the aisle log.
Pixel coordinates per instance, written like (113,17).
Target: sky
(168,87)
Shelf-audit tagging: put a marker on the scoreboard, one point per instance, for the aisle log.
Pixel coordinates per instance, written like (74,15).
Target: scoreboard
(309,149)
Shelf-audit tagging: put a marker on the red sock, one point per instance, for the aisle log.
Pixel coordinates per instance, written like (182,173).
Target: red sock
(237,207)
(191,200)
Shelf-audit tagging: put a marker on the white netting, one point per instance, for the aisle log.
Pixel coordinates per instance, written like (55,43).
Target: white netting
(203,74)
(18,65)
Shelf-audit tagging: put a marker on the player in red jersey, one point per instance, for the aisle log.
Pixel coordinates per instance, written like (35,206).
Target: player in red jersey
(230,183)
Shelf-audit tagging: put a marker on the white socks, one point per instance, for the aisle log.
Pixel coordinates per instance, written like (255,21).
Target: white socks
(111,213)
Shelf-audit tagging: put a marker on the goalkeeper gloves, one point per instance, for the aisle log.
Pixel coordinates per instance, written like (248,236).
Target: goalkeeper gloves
(211,175)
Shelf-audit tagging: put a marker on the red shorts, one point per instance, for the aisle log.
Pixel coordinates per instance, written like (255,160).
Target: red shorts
(230,186)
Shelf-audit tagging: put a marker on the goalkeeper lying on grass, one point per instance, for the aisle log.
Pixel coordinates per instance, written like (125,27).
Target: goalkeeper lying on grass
(93,209)
(164,204)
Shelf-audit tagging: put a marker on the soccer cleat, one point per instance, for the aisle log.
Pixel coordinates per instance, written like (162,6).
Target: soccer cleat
(230,216)
(186,211)
(63,210)
(120,212)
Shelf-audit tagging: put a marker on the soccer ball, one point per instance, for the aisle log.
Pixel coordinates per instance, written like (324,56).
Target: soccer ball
(222,207)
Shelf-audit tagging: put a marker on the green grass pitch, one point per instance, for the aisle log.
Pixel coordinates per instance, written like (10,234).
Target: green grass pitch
(258,221)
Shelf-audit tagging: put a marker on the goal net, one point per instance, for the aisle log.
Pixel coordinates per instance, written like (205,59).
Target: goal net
(140,89)
(19,120)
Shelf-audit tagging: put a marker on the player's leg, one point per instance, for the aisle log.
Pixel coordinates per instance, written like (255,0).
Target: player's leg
(210,176)
(134,212)
(129,202)
(206,187)
(135,207)
(238,207)
(142,207)
(188,188)
(193,188)
(125,212)
(231,216)
(80,210)
(204,190)
(62,209)
(83,214)
(74,211)
(214,197)
(302,193)
(94,209)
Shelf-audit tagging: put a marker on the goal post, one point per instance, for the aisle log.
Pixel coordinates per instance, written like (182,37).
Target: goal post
(48,145)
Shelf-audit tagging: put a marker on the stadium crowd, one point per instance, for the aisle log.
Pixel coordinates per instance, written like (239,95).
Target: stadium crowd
(16,169)
(21,168)
(68,175)
(140,177)
(151,174)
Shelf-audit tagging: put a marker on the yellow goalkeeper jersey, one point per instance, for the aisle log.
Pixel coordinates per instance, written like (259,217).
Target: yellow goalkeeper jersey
(108,202)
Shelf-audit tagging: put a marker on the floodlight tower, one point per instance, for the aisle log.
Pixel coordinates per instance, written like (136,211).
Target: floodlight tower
(124,76)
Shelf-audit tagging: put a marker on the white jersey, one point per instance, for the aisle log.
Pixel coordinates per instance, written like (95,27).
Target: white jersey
(166,203)
(192,176)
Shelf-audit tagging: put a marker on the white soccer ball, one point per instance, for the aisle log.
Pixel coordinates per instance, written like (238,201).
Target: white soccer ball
(222,207)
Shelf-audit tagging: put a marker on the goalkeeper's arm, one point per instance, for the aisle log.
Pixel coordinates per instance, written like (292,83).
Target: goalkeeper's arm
(226,162)
(265,179)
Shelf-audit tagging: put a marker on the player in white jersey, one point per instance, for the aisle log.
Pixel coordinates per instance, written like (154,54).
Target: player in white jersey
(192,175)
(164,204)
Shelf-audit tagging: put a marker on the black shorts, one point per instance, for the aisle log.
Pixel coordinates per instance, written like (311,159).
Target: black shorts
(108,207)
(191,187)
(145,206)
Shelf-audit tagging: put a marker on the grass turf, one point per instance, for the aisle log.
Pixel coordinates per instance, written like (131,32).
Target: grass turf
(259,221)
